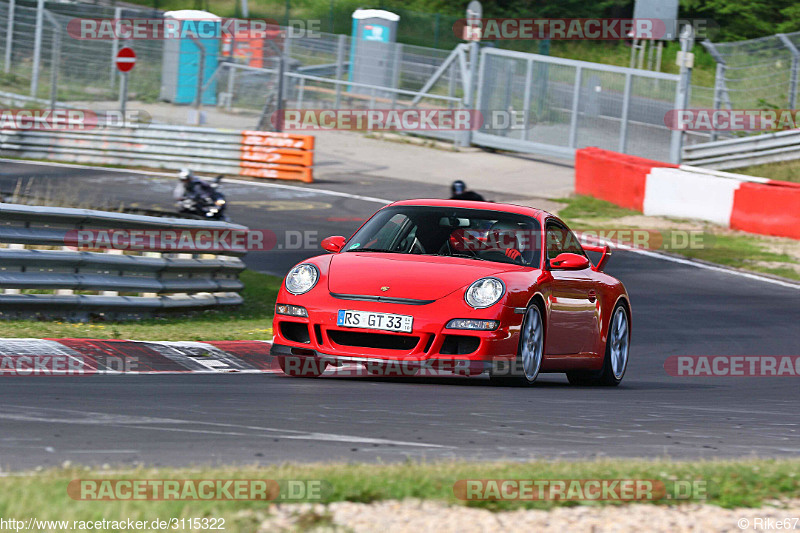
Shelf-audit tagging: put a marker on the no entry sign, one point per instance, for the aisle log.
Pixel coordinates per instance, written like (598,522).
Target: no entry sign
(126,59)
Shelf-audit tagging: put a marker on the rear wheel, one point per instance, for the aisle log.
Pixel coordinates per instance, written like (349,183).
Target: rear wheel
(525,368)
(615,361)
(302,367)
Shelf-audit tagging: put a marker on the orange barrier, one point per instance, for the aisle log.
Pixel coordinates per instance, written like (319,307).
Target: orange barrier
(767,208)
(613,177)
(286,156)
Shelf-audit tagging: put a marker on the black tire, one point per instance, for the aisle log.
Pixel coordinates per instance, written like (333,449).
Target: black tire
(524,370)
(610,374)
(302,367)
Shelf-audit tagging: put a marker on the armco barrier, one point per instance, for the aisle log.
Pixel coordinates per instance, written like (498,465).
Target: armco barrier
(41,275)
(259,154)
(756,205)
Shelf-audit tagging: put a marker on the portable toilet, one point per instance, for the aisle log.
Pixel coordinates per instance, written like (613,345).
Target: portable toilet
(181,58)
(372,50)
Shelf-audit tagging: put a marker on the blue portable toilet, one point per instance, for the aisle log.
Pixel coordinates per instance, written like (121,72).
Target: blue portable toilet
(181,57)
(372,50)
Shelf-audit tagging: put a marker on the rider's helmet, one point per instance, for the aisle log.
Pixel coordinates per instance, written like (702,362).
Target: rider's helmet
(185,174)
(458,187)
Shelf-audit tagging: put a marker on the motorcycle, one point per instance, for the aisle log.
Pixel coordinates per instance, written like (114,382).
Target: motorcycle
(204,200)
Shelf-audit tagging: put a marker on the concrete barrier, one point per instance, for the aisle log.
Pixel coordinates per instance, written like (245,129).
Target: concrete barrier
(756,205)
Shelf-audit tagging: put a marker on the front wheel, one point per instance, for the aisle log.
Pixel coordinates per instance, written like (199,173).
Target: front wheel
(530,354)
(615,361)
(302,367)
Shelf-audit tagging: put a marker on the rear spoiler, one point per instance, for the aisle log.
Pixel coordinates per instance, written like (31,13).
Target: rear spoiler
(605,250)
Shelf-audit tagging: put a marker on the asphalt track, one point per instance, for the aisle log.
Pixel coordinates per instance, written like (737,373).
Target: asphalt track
(679,309)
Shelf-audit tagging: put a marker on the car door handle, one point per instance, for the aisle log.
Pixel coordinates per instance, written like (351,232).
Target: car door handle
(592,295)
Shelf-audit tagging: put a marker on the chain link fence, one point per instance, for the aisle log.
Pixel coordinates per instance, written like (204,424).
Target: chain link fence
(757,74)
(567,104)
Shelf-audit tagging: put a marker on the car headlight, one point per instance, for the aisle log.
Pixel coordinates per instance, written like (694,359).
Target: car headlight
(220,201)
(302,278)
(485,292)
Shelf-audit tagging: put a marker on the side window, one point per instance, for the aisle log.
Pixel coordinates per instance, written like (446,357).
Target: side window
(561,240)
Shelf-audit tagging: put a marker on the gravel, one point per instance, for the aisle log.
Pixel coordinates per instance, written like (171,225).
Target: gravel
(416,516)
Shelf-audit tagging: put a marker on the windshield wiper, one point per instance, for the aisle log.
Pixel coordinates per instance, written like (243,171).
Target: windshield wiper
(376,250)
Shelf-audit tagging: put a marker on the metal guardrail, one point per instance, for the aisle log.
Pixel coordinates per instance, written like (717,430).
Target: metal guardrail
(258,154)
(40,273)
(744,151)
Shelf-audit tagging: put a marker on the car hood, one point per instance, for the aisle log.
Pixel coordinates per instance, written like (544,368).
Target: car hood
(406,276)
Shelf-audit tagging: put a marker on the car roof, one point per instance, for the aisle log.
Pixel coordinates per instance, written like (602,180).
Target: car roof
(487,206)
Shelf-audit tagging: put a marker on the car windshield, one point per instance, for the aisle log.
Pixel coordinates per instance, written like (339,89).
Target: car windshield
(478,234)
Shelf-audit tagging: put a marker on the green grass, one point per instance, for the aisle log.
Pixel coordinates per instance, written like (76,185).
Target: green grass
(738,250)
(784,171)
(590,207)
(726,484)
(251,320)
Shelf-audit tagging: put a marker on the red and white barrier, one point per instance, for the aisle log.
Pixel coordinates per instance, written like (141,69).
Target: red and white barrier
(756,205)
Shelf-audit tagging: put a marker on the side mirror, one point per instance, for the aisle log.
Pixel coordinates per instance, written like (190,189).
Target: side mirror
(567,261)
(333,244)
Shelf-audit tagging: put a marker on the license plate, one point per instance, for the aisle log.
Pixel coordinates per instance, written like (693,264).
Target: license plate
(382,321)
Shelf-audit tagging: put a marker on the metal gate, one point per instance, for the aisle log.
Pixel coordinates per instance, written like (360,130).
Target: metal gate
(566,104)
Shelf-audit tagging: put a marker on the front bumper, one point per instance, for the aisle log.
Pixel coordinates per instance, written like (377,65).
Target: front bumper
(429,343)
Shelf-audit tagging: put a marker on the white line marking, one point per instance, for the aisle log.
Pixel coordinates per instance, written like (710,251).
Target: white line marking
(382,201)
(228,180)
(59,416)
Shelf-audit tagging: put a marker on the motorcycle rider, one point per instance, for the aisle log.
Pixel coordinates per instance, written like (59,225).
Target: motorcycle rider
(460,192)
(190,186)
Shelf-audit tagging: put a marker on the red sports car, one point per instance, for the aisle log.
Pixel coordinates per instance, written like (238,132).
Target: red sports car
(457,286)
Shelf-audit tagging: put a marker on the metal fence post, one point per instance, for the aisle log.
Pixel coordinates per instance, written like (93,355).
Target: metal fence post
(793,79)
(231,85)
(398,61)
(576,101)
(37,47)
(626,105)
(682,94)
(719,81)
(340,48)
(9,35)
(55,59)
(526,98)
(471,88)
(115,46)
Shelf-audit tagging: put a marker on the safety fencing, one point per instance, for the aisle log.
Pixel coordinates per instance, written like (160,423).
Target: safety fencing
(45,273)
(755,205)
(257,154)
(563,105)
(745,151)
